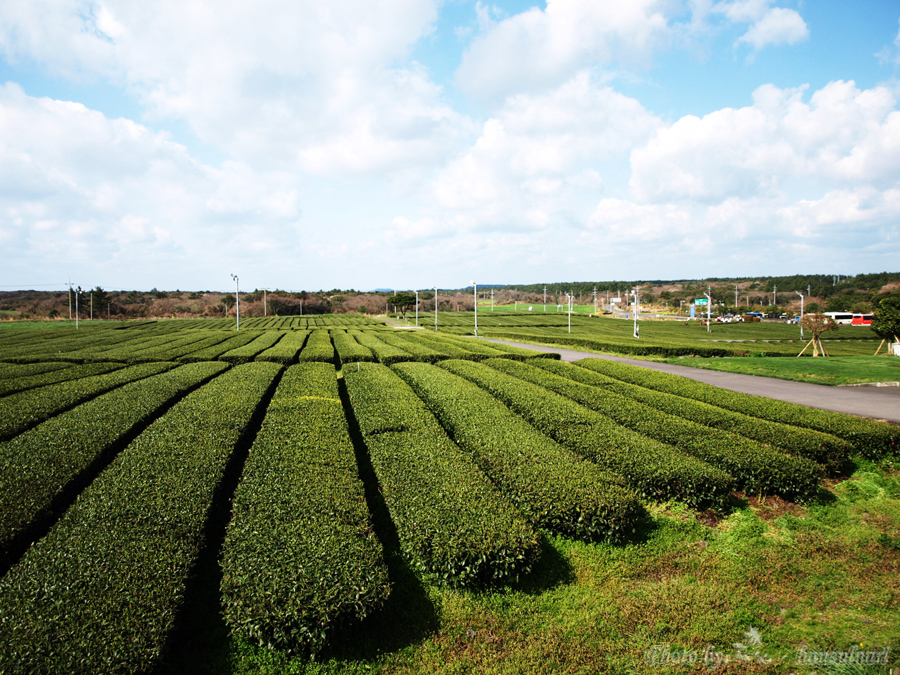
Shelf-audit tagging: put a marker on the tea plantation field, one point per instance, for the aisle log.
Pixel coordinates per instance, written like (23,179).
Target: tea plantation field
(331,495)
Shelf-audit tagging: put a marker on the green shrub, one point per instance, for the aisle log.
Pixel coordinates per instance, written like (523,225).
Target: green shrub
(825,449)
(25,409)
(654,469)
(12,385)
(215,351)
(287,349)
(552,486)
(246,353)
(101,592)
(300,557)
(757,468)
(869,438)
(43,464)
(420,350)
(385,353)
(318,348)
(349,350)
(452,522)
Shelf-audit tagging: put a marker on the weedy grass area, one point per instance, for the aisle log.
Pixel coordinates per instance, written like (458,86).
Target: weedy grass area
(763,586)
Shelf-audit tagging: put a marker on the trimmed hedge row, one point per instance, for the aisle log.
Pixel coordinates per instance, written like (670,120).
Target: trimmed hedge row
(552,486)
(452,522)
(485,350)
(870,438)
(420,351)
(247,352)
(451,349)
(25,409)
(520,353)
(215,351)
(18,370)
(100,593)
(318,348)
(757,468)
(385,353)
(40,465)
(825,449)
(69,372)
(300,557)
(624,346)
(285,352)
(217,338)
(656,470)
(349,350)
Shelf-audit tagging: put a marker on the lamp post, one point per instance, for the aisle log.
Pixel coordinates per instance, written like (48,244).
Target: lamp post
(801,314)
(237,299)
(545,298)
(570,300)
(708,309)
(475,295)
(265,304)
(635,294)
(417,308)
(435,309)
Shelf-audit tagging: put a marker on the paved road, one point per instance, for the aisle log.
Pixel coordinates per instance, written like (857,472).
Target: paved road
(882,403)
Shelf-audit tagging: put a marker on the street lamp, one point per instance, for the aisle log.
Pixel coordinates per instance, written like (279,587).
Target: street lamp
(237,299)
(708,309)
(417,308)
(635,294)
(475,295)
(801,313)
(435,309)
(570,299)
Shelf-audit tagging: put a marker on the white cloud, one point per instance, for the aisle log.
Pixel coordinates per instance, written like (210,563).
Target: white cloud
(320,86)
(113,195)
(778,26)
(540,49)
(842,134)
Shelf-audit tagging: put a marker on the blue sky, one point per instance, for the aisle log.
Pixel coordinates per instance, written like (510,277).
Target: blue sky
(413,143)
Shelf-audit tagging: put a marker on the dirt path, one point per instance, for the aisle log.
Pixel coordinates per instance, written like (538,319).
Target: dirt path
(881,403)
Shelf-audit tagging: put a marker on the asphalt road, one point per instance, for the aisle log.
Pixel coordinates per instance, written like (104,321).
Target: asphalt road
(881,403)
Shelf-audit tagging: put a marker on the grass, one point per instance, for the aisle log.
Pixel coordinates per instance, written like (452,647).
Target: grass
(823,576)
(834,370)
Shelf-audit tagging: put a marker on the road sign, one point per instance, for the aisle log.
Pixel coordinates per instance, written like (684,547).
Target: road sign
(700,301)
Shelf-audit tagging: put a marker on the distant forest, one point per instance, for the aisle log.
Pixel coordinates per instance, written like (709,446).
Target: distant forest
(859,293)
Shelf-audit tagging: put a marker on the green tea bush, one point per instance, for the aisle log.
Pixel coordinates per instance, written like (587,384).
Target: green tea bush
(825,449)
(14,384)
(349,350)
(41,465)
(385,353)
(552,486)
(213,352)
(318,348)
(452,522)
(654,469)
(869,438)
(300,557)
(757,468)
(287,349)
(101,592)
(25,409)
(249,351)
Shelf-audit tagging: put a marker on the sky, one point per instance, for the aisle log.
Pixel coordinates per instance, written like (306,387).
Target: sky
(416,143)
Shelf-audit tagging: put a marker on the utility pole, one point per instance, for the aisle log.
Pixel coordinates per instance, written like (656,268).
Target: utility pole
(801,314)
(545,298)
(595,299)
(417,308)
(265,304)
(569,300)
(635,293)
(492,299)
(70,299)
(735,297)
(708,307)
(77,291)
(92,306)
(237,299)
(775,295)
(435,309)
